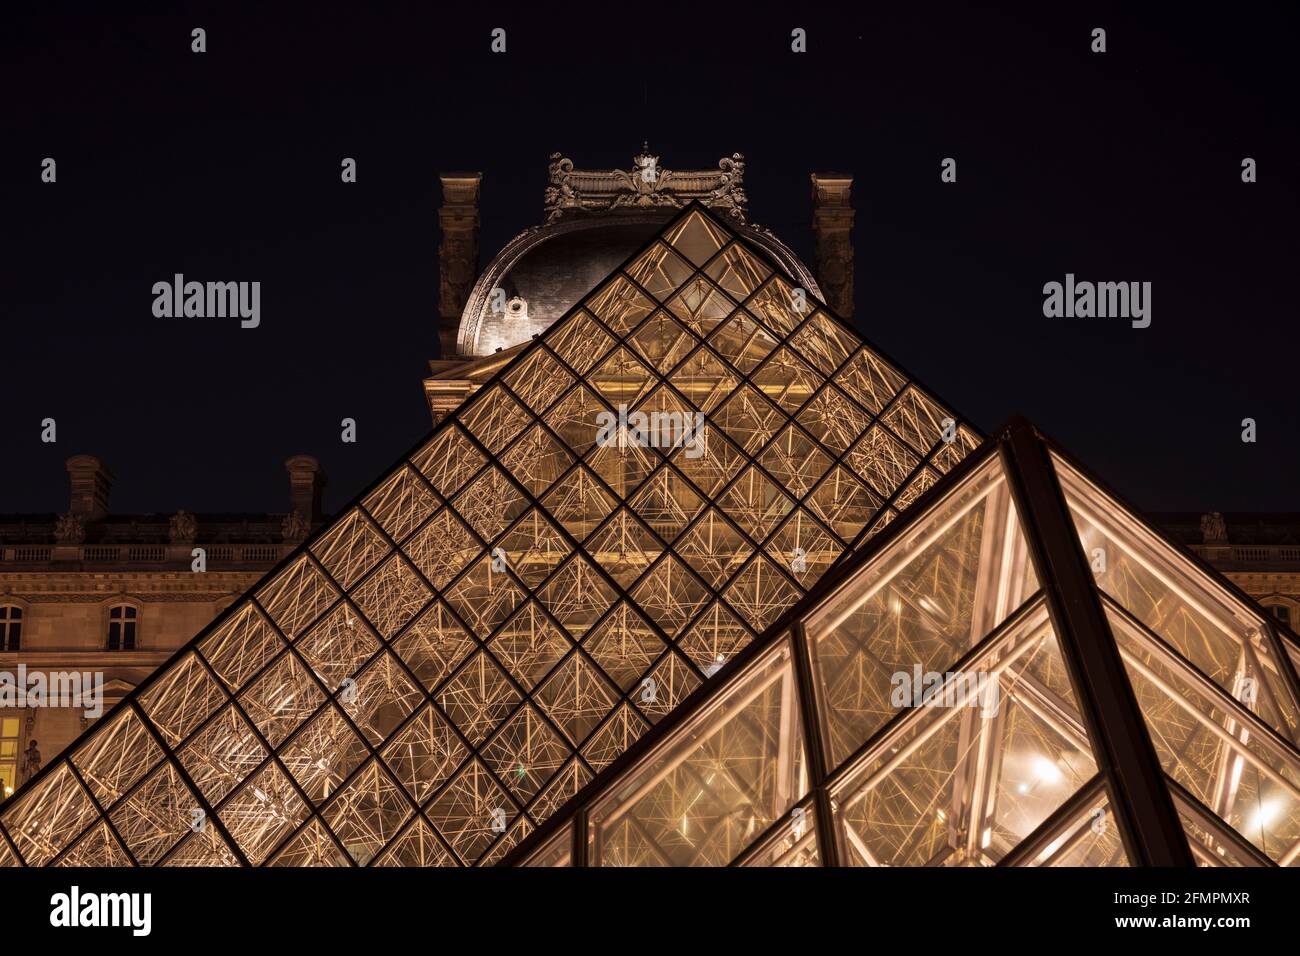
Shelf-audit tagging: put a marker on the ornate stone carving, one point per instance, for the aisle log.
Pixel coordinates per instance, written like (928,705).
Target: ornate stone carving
(68,529)
(294,528)
(31,756)
(1214,529)
(517,309)
(646,185)
(559,194)
(182,528)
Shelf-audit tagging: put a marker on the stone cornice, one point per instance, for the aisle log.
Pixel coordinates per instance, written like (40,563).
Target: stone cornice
(84,659)
(39,587)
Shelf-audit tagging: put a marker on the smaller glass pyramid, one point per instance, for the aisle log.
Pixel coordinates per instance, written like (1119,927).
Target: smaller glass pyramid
(1018,673)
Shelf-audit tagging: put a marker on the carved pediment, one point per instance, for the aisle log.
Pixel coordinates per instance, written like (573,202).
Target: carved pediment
(647,185)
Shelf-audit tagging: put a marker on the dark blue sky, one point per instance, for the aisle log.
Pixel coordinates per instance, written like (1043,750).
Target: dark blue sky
(225,166)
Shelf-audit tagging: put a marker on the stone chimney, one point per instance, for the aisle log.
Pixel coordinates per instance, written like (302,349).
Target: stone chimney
(306,483)
(457,253)
(832,221)
(1214,538)
(91,482)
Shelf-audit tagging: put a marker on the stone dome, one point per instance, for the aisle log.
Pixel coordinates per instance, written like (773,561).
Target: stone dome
(551,267)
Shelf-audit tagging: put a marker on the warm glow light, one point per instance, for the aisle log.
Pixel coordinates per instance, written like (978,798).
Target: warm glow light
(1047,772)
(1264,815)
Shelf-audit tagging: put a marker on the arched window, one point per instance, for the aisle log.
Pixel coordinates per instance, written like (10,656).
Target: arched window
(121,627)
(11,628)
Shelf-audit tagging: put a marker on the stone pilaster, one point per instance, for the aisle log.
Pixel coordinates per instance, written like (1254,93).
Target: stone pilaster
(832,222)
(446,395)
(458,219)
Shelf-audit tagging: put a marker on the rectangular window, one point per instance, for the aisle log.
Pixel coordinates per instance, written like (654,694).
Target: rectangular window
(9,730)
(11,628)
(121,628)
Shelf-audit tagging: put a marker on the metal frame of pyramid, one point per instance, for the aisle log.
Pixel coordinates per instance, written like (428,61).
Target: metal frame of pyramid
(1148,714)
(493,622)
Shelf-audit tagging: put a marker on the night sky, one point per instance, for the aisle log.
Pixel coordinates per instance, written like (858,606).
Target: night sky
(1123,166)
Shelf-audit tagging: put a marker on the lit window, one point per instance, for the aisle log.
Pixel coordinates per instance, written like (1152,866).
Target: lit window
(11,628)
(121,628)
(8,753)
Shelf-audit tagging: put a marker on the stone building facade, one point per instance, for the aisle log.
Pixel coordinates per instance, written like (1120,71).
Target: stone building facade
(106,598)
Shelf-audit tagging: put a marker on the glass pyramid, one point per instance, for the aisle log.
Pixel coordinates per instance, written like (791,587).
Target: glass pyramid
(637,496)
(1020,672)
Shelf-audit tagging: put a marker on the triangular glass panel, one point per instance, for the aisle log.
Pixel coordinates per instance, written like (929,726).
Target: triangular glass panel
(716,784)
(975,759)
(1211,745)
(1085,835)
(696,237)
(1186,609)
